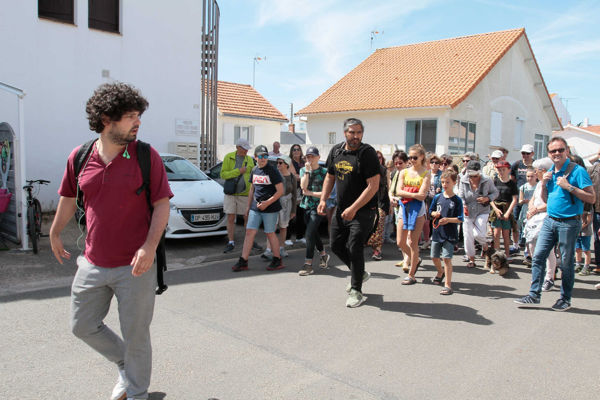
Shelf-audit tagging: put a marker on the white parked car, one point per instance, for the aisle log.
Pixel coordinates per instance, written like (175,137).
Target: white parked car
(197,204)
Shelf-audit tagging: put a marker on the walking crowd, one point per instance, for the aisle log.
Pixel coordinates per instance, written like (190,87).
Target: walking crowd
(121,185)
(544,208)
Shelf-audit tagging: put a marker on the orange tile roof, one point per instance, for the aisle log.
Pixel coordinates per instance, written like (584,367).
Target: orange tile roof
(430,74)
(243,100)
(592,128)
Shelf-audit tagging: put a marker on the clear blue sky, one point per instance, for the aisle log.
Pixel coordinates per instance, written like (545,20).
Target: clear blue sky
(310,44)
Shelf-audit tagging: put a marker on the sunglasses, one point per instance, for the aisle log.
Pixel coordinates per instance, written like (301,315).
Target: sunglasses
(467,160)
(561,150)
(262,156)
(434,162)
(445,164)
(297,149)
(525,153)
(414,158)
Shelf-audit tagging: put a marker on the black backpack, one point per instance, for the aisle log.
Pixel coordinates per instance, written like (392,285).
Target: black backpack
(143,156)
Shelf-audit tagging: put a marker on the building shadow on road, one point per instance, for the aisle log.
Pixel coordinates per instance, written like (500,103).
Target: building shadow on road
(440,311)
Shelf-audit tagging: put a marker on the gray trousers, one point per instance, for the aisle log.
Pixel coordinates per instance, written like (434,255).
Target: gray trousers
(91,294)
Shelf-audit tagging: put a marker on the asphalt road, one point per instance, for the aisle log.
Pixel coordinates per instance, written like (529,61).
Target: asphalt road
(276,335)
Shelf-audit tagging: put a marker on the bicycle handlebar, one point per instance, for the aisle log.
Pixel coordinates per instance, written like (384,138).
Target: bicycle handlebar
(40,181)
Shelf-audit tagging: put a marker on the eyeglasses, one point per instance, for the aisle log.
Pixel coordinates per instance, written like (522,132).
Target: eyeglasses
(414,158)
(262,156)
(561,150)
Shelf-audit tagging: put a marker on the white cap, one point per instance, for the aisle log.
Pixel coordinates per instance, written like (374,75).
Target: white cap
(243,143)
(527,148)
(497,154)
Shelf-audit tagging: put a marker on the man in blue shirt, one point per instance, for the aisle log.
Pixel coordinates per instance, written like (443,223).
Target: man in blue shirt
(564,189)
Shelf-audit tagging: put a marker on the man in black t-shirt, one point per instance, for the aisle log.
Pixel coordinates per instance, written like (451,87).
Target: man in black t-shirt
(354,167)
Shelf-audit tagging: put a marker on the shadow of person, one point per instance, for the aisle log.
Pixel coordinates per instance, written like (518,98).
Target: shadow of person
(441,311)
(483,290)
(156,396)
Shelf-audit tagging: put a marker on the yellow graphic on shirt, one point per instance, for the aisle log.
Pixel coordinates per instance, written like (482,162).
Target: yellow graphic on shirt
(343,168)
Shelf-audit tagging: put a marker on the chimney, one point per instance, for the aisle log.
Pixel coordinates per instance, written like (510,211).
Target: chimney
(292,128)
(586,122)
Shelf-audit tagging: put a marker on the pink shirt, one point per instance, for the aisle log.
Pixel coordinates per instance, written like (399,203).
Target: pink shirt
(117,218)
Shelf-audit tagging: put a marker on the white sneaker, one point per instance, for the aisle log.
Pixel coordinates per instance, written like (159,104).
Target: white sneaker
(283,253)
(301,241)
(366,277)
(288,243)
(355,299)
(118,392)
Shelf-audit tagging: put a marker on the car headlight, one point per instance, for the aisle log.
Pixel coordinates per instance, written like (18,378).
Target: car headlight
(172,206)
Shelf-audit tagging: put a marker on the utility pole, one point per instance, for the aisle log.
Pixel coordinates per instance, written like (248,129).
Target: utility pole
(255,61)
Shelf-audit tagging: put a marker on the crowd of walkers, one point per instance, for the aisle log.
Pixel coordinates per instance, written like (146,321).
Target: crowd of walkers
(544,208)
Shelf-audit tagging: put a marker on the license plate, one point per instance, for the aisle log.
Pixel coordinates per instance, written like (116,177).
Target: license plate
(205,217)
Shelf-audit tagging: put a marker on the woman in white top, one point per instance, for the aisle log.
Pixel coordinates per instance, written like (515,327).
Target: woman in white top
(535,217)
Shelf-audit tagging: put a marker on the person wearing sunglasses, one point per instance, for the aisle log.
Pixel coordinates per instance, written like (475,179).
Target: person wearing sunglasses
(489,169)
(518,172)
(288,205)
(413,184)
(298,161)
(263,207)
(565,188)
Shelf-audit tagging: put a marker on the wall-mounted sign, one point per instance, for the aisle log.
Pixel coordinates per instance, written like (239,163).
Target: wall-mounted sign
(187,127)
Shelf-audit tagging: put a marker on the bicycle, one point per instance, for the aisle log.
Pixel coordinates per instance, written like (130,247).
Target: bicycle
(34,213)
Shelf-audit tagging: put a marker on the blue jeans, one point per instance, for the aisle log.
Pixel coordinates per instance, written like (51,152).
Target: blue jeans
(596,224)
(565,234)
(312,221)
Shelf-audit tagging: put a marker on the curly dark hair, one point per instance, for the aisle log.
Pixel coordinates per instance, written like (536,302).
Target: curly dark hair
(113,100)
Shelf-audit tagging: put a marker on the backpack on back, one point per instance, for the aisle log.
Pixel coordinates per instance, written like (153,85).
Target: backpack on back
(143,156)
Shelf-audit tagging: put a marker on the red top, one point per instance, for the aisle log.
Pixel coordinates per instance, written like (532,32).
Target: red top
(117,218)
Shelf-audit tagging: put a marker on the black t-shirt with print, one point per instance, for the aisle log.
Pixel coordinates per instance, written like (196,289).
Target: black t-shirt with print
(506,190)
(350,179)
(264,180)
(519,172)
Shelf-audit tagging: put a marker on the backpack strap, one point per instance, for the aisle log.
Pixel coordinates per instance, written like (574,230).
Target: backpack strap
(79,162)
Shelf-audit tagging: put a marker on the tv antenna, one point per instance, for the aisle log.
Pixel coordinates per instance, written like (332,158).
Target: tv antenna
(373,34)
(255,61)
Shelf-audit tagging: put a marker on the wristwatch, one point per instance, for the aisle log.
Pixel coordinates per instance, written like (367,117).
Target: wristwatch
(571,188)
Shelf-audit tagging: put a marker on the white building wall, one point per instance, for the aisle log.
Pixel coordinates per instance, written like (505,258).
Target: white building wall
(561,110)
(508,89)
(584,144)
(265,132)
(59,65)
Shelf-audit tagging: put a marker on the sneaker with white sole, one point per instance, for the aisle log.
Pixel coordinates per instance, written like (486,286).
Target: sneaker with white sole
(527,301)
(324,261)
(118,392)
(283,252)
(355,298)
(306,270)
(366,276)
(561,305)
(548,285)
(585,271)
(288,243)
(301,241)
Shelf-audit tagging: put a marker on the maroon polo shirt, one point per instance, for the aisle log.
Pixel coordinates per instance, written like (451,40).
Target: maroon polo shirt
(117,218)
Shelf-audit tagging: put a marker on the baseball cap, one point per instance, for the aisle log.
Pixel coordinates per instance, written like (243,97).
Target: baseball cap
(473,167)
(497,154)
(313,151)
(260,149)
(243,143)
(502,164)
(527,148)
(285,159)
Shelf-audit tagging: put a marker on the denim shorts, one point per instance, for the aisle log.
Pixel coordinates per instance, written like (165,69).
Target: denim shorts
(583,243)
(269,220)
(445,250)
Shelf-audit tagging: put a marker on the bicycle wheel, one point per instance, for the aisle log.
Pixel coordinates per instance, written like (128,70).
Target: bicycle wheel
(37,207)
(31,226)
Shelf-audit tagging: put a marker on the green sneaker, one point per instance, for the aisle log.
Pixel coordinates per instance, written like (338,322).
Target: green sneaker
(366,276)
(355,298)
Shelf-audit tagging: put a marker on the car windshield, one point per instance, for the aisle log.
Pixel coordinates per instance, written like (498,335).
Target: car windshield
(180,169)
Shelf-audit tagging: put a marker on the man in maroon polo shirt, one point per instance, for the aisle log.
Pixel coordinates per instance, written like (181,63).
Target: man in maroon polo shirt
(122,237)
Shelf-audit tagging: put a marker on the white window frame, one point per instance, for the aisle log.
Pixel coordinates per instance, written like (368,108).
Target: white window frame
(420,141)
(332,137)
(540,145)
(244,131)
(463,145)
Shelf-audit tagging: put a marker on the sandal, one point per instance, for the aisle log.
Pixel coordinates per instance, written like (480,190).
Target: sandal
(409,281)
(446,291)
(438,279)
(471,264)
